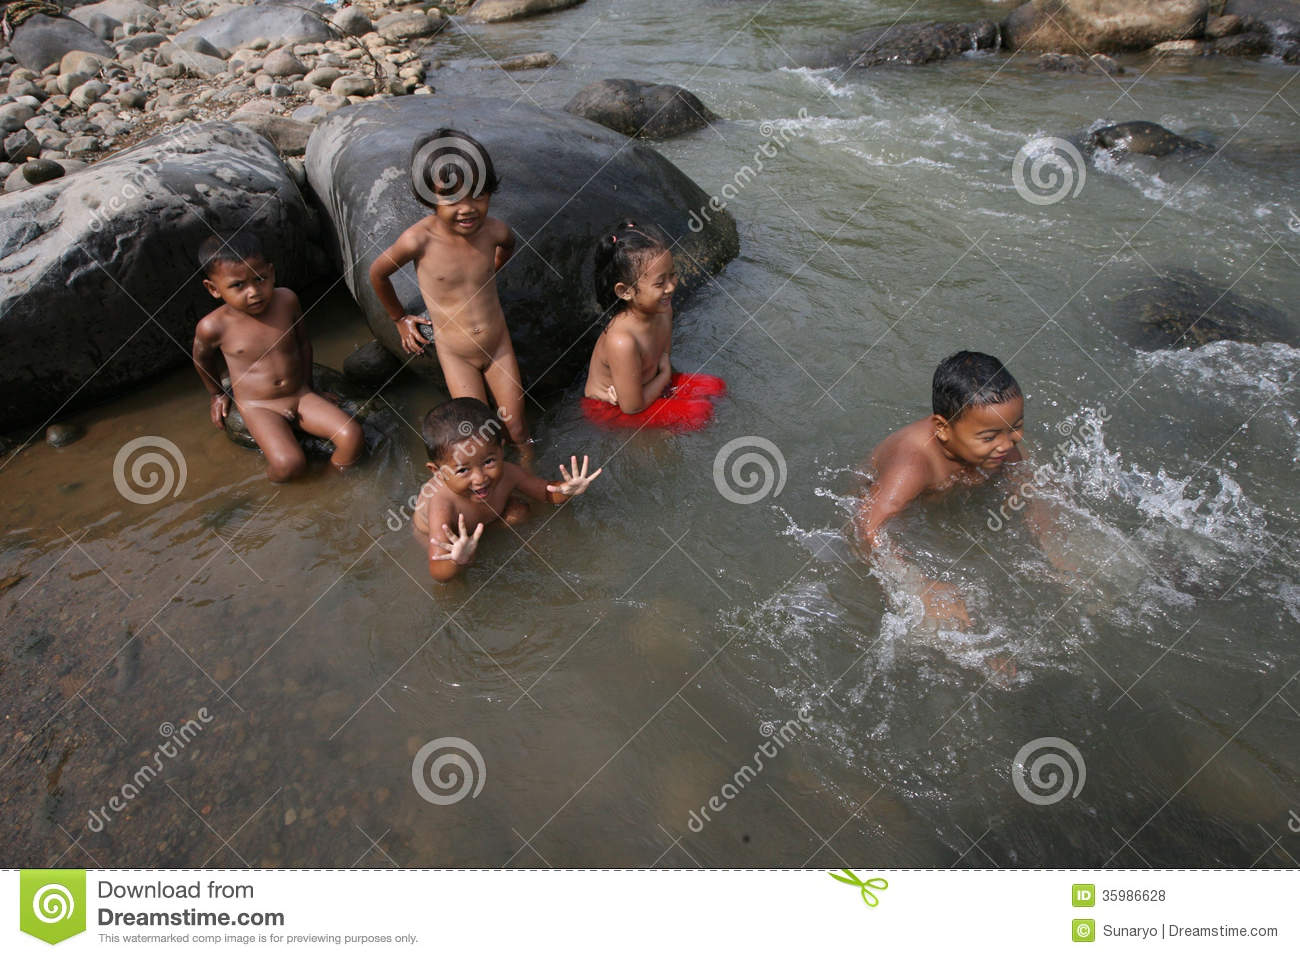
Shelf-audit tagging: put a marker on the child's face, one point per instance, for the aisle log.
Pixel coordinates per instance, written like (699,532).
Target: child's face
(653,291)
(466,216)
(246,286)
(472,468)
(983,436)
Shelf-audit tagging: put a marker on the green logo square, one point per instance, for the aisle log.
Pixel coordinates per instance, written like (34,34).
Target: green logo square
(1083,929)
(52,903)
(1083,896)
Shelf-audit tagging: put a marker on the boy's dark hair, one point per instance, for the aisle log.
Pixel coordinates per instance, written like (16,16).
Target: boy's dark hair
(620,257)
(229,248)
(457,421)
(968,379)
(451,163)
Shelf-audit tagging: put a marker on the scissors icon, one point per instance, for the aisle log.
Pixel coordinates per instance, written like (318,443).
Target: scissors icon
(865,887)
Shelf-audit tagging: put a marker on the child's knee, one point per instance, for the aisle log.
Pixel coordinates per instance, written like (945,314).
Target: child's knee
(350,437)
(284,467)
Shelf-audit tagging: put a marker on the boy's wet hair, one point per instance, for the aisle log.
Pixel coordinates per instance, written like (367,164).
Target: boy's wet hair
(967,379)
(448,165)
(229,248)
(459,421)
(621,256)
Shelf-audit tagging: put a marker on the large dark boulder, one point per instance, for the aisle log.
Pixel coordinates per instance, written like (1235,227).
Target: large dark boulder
(1102,26)
(635,108)
(377,422)
(1184,310)
(565,182)
(98,289)
(914,43)
(280,23)
(1140,136)
(498,11)
(40,40)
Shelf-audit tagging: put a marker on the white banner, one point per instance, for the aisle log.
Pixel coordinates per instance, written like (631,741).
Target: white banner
(658,913)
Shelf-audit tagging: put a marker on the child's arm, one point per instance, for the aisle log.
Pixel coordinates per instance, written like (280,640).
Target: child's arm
(505,247)
(211,364)
(385,265)
(575,482)
(624,358)
(448,553)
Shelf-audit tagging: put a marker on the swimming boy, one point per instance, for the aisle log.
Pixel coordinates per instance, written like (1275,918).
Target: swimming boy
(472,484)
(457,251)
(258,333)
(975,429)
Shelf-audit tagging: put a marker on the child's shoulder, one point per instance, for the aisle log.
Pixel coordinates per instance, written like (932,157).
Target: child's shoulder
(214,322)
(908,449)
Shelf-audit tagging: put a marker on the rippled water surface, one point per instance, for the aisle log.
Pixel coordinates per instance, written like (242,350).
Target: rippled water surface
(618,663)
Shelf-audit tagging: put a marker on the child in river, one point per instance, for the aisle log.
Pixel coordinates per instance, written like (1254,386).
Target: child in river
(473,485)
(257,334)
(457,251)
(630,382)
(975,429)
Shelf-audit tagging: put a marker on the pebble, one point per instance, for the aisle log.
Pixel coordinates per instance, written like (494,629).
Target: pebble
(63,434)
(39,171)
(323,76)
(354,84)
(282,63)
(81,144)
(21,145)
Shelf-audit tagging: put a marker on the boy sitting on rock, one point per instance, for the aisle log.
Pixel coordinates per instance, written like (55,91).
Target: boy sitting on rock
(257,332)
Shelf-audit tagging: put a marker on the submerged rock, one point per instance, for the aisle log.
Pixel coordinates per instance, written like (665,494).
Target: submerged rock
(371,366)
(915,43)
(1073,63)
(1184,310)
(1139,136)
(351,398)
(1102,26)
(357,163)
(99,290)
(635,108)
(498,11)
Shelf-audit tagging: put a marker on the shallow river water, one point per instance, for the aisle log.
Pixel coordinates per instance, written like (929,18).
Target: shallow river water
(624,665)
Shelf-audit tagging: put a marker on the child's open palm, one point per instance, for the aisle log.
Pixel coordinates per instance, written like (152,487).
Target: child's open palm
(458,548)
(576,481)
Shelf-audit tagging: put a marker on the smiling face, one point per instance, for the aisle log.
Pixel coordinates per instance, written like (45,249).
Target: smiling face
(466,216)
(471,469)
(246,286)
(653,291)
(983,436)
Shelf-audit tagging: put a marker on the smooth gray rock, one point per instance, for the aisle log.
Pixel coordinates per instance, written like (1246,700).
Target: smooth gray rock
(499,11)
(1139,136)
(323,76)
(1102,26)
(353,84)
(912,44)
(40,40)
(371,366)
(199,45)
(636,108)
(279,23)
(282,63)
(352,22)
(137,42)
(288,135)
(357,166)
(90,257)
(21,146)
(408,25)
(41,171)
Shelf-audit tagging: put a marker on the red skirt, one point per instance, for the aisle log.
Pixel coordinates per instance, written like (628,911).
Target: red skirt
(684,407)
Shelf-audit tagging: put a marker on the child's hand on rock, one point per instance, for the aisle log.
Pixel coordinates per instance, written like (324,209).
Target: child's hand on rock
(408,329)
(576,482)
